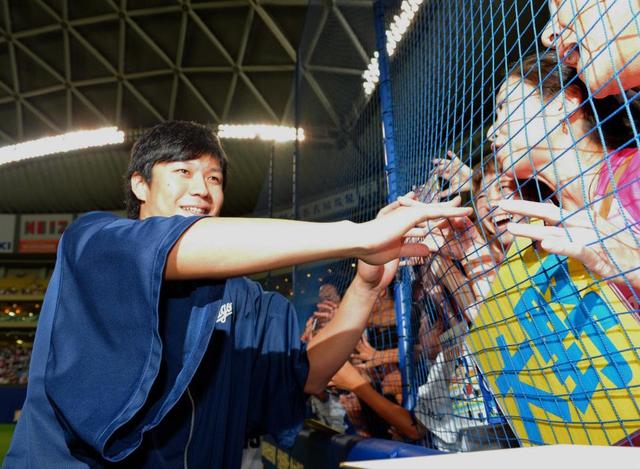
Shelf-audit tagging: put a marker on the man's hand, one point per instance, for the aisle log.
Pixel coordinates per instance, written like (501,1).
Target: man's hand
(602,247)
(383,239)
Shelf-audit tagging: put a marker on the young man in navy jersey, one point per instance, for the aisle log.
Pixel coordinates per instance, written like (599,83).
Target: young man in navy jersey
(152,351)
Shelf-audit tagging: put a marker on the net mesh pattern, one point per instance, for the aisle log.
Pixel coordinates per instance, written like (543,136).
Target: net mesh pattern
(505,340)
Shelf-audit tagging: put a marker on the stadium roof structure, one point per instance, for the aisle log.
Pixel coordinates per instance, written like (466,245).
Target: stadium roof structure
(68,65)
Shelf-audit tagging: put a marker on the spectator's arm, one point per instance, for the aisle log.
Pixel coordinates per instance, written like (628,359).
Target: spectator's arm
(372,357)
(350,379)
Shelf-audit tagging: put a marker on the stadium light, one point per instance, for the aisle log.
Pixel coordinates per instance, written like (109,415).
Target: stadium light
(276,133)
(397,29)
(78,140)
(82,139)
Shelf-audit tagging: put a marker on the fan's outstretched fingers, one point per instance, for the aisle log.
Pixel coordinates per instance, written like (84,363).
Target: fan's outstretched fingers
(547,212)
(536,232)
(563,247)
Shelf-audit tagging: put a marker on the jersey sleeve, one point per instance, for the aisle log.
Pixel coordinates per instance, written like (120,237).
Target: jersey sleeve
(105,350)
(280,372)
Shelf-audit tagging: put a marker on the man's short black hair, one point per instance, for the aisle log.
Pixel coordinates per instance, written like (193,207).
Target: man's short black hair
(171,141)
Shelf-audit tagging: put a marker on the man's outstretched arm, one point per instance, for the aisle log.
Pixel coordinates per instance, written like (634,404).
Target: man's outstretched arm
(228,247)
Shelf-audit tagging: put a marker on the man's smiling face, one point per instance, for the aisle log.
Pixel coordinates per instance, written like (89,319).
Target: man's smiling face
(187,188)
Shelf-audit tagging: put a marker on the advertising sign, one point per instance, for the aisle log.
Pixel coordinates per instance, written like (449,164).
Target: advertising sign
(41,233)
(7,232)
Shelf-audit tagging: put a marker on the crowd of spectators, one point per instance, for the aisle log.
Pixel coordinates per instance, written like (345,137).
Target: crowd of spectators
(23,283)
(365,395)
(564,151)
(33,289)
(14,364)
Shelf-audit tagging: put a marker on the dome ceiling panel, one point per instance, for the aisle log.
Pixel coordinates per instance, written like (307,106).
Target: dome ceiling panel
(135,113)
(37,124)
(6,77)
(189,107)
(25,15)
(163,30)
(47,106)
(103,36)
(264,48)
(85,64)
(139,57)
(333,53)
(199,50)
(142,4)
(155,90)
(91,64)
(213,89)
(342,90)
(8,122)
(227,25)
(316,112)
(269,86)
(44,47)
(33,72)
(290,21)
(360,24)
(86,114)
(246,106)
(77,10)
(102,96)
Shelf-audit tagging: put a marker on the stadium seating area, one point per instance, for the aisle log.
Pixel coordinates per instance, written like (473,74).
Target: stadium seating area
(14,363)
(27,284)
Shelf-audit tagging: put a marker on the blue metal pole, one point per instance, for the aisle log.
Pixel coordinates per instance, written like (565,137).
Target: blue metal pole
(294,164)
(402,287)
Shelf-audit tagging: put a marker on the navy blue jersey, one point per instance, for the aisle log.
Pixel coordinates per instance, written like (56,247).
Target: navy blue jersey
(128,369)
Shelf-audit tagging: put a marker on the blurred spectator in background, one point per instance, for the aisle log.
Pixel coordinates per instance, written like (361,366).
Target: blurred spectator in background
(600,39)
(326,407)
(377,349)
(329,296)
(354,390)
(349,378)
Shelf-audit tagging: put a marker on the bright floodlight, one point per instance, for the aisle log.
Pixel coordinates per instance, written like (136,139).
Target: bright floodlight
(395,33)
(61,143)
(276,133)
